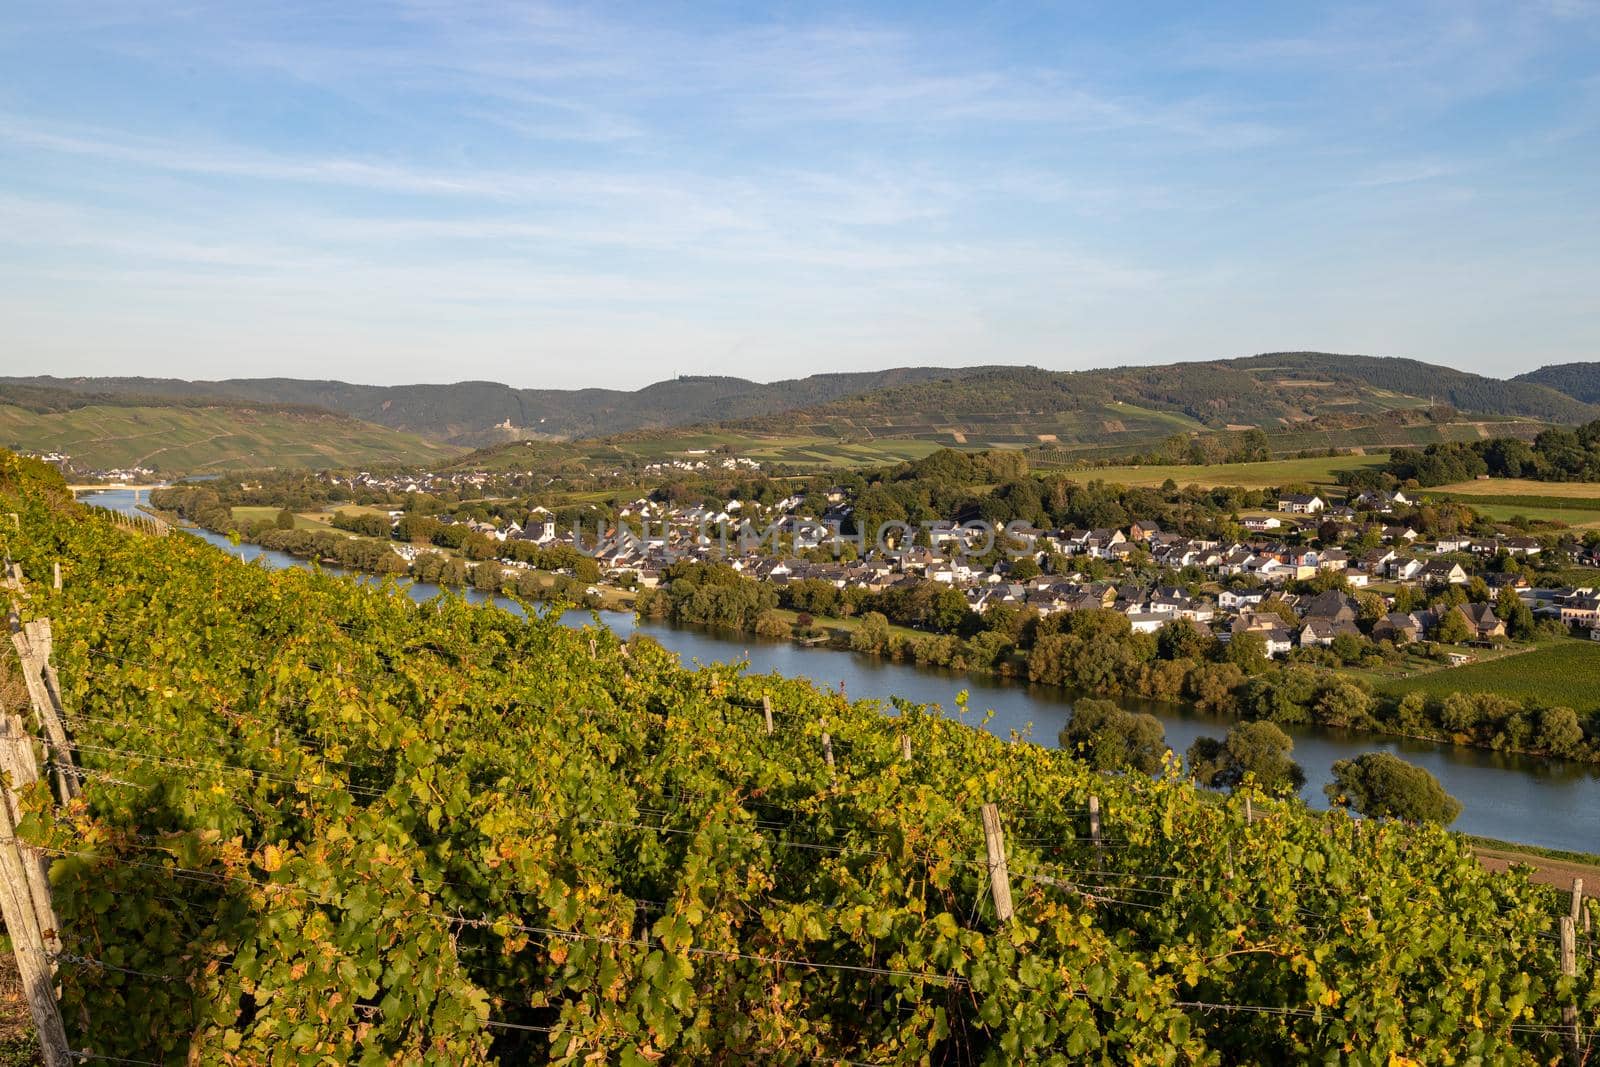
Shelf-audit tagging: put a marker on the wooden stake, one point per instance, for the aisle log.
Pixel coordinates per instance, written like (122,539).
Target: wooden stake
(28,944)
(29,642)
(1094,821)
(905,747)
(999,877)
(1577,899)
(1249,816)
(827,750)
(1573,1038)
(29,915)
(44,648)
(20,770)
(55,570)
(766,710)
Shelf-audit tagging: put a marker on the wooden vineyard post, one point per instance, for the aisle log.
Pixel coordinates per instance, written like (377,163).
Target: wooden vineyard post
(32,643)
(1577,900)
(905,748)
(44,650)
(766,711)
(999,877)
(1572,1037)
(827,751)
(25,900)
(20,769)
(1249,816)
(1094,820)
(55,574)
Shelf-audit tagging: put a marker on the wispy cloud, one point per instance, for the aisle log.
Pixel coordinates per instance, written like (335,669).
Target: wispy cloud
(716,180)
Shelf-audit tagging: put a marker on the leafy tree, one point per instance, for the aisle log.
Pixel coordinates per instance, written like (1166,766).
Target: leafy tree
(1282,696)
(1110,738)
(1560,732)
(1213,685)
(1182,639)
(871,633)
(1343,702)
(770,624)
(1254,751)
(1349,648)
(1248,652)
(1452,628)
(1378,784)
(1511,610)
(284,520)
(1024,569)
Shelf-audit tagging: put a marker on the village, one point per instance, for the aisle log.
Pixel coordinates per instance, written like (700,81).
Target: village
(1150,575)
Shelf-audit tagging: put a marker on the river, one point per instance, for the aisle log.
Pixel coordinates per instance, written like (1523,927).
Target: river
(1552,803)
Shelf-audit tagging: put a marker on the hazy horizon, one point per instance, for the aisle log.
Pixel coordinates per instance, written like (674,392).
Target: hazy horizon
(758,380)
(566,197)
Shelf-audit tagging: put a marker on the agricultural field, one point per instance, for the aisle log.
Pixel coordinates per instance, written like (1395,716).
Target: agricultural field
(1576,517)
(1575,504)
(1319,470)
(178,439)
(1565,673)
(1522,487)
(251,513)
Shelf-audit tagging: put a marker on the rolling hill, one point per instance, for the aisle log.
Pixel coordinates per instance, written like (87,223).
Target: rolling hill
(197,434)
(482,413)
(1581,381)
(1305,400)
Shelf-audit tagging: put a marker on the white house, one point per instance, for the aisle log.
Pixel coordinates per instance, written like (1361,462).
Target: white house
(1301,504)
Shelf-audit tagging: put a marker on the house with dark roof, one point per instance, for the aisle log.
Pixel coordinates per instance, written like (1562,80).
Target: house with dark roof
(1399,627)
(1301,503)
(1484,622)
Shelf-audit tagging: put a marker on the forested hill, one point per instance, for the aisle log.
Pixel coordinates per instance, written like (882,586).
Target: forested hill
(1276,389)
(470,412)
(1581,381)
(1462,390)
(1257,390)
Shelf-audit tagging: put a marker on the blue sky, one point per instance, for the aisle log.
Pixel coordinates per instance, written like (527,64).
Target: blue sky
(610,195)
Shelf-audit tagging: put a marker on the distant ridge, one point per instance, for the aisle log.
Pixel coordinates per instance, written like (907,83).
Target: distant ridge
(1250,389)
(1307,399)
(467,413)
(1581,381)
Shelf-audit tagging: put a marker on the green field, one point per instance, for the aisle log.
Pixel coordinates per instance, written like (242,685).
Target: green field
(178,439)
(1522,487)
(1320,470)
(1572,503)
(1565,673)
(1570,516)
(249,513)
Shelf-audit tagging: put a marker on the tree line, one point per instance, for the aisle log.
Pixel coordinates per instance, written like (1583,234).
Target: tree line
(1556,455)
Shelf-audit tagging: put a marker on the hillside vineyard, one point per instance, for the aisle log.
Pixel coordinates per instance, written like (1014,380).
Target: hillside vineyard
(320,823)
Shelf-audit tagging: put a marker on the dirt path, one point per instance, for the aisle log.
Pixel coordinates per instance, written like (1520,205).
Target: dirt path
(1558,873)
